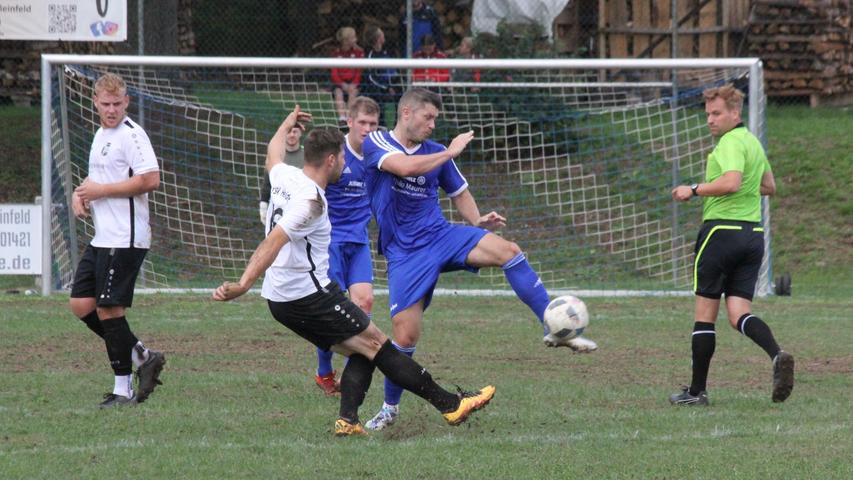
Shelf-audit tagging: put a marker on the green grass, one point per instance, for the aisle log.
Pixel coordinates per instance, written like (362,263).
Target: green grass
(238,400)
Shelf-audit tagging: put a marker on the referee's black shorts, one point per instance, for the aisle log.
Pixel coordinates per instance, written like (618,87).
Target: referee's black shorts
(728,258)
(324,318)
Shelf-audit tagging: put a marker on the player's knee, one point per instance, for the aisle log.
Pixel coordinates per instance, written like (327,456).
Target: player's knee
(81,307)
(364,302)
(509,251)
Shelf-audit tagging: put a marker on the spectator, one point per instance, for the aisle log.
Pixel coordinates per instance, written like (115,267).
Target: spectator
(424,22)
(429,50)
(345,81)
(382,84)
(466,50)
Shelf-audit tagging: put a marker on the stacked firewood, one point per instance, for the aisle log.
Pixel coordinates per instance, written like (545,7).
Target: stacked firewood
(806,46)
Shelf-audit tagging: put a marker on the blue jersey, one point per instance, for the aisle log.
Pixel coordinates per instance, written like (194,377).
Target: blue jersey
(406,208)
(349,205)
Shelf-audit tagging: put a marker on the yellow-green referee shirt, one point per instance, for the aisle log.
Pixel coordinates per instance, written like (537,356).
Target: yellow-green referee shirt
(738,150)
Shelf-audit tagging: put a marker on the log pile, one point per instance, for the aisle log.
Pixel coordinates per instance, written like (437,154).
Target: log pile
(806,46)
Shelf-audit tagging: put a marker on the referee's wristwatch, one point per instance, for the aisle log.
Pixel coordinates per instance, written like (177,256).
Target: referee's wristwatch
(693,189)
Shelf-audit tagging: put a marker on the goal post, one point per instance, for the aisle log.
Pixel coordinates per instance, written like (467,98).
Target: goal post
(580,155)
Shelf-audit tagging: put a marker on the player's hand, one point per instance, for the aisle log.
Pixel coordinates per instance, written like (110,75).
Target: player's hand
(229,291)
(262,209)
(459,143)
(79,206)
(296,119)
(491,221)
(682,193)
(89,190)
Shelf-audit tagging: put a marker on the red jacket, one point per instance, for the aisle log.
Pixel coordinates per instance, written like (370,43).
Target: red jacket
(347,75)
(430,74)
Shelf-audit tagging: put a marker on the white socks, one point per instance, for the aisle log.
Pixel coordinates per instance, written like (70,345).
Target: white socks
(124,385)
(139,354)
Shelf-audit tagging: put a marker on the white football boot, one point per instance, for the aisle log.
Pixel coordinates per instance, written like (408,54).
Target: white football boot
(385,418)
(577,344)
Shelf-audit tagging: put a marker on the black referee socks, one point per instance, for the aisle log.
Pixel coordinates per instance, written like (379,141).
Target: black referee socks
(704,343)
(755,328)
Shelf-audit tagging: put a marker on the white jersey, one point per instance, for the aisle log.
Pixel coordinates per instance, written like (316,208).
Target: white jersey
(299,207)
(118,154)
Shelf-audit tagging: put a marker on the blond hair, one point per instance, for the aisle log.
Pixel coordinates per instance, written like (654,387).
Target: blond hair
(730,95)
(365,105)
(345,32)
(112,84)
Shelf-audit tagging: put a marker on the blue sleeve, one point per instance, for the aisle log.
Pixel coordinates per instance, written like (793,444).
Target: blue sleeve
(450,179)
(371,153)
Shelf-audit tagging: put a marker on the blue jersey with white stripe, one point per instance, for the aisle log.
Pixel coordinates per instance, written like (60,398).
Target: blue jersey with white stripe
(349,205)
(406,208)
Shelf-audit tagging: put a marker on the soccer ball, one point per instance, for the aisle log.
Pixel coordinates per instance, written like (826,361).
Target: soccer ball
(566,317)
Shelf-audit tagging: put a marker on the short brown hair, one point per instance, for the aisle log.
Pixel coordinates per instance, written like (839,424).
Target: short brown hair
(321,143)
(365,105)
(371,33)
(418,96)
(111,83)
(731,95)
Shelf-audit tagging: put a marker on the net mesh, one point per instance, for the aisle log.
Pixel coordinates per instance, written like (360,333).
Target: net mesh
(581,162)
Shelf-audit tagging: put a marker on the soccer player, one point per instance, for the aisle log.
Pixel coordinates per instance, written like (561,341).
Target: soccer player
(302,298)
(350,264)
(405,170)
(292,155)
(122,170)
(730,244)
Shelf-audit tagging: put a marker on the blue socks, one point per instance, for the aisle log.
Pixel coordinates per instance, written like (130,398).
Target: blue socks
(324,362)
(393,392)
(526,284)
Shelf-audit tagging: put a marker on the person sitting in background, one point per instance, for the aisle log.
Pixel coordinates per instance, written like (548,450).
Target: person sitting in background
(381,84)
(429,50)
(465,50)
(345,81)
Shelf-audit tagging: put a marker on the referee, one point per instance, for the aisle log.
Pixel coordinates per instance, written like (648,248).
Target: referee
(730,245)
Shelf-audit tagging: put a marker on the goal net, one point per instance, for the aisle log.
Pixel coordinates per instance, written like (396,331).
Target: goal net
(580,156)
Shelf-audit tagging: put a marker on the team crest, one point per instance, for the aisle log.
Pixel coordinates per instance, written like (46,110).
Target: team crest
(106,149)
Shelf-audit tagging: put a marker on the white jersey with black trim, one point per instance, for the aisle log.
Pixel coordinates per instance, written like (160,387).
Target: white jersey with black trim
(118,154)
(299,207)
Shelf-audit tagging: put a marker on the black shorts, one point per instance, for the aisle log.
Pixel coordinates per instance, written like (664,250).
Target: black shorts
(728,258)
(108,275)
(324,318)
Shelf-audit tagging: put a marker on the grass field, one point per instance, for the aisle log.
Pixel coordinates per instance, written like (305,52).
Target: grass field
(238,400)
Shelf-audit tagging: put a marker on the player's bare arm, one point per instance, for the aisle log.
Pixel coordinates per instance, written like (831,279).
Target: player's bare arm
(768,184)
(276,149)
(467,207)
(137,185)
(725,184)
(404,165)
(261,260)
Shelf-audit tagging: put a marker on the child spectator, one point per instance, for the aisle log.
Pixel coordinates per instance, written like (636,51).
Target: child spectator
(345,81)
(429,50)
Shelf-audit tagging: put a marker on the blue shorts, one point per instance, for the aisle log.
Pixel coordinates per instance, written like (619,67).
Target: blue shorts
(350,263)
(412,275)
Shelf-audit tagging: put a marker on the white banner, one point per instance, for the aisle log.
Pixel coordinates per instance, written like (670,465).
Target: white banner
(20,239)
(69,20)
